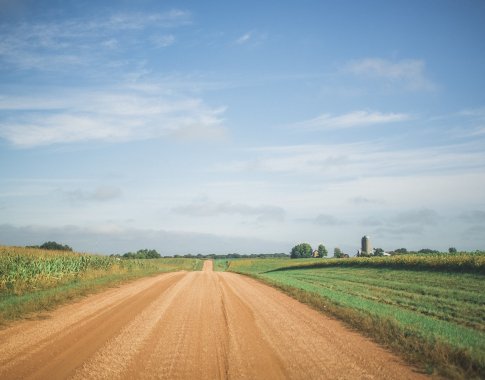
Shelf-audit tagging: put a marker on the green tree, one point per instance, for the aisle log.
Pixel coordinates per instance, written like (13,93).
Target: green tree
(401,251)
(452,250)
(337,252)
(322,251)
(301,250)
(378,252)
(428,250)
(149,253)
(142,254)
(52,245)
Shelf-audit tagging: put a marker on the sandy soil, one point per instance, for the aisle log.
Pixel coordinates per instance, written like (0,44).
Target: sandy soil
(196,325)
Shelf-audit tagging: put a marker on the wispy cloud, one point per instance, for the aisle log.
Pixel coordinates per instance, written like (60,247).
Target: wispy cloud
(163,41)
(58,45)
(399,231)
(327,220)
(475,216)
(409,222)
(477,233)
(475,118)
(424,217)
(409,73)
(99,194)
(246,37)
(357,160)
(209,208)
(116,114)
(114,238)
(252,38)
(351,120)
(364,201)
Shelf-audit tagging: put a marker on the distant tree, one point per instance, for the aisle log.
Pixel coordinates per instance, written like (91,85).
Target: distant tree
(337,252)
(428,251)
(322,251)
(378,252)
(52,245)
(301,250)
(401,251)
(142,254)
(452,250)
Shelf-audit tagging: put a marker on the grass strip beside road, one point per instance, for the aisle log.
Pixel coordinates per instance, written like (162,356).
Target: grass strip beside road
(434,318)
(34,280)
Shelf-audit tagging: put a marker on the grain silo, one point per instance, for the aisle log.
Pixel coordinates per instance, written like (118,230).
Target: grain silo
(366,246)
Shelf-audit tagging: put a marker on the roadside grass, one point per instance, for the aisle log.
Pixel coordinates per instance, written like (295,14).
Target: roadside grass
(221,265)
(433,317)
(35,280)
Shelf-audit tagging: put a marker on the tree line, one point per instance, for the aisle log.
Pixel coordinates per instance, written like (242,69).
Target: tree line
(305,250)
(153,254)
(140,254)
(302,250)
(51,245)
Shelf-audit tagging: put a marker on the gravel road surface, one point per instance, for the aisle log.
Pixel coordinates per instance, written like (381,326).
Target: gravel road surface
(191,325)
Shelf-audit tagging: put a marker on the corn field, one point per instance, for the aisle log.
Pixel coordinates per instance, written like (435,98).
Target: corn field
(23,269)
(29,269)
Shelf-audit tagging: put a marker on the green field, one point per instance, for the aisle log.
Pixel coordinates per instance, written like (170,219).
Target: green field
(430,309)
(33,280)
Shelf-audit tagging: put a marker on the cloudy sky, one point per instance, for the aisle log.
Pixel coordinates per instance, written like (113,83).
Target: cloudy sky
(215,127)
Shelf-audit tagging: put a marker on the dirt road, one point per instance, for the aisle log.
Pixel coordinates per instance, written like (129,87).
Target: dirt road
(196,325)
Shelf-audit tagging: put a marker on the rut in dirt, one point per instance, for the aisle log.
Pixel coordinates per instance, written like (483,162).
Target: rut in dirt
(192,325)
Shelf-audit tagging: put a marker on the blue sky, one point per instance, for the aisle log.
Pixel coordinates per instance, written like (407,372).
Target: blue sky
(201,127)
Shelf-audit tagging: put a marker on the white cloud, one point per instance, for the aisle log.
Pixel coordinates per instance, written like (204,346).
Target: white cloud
(351,120)
(244,38)
(116,114)
(410,72)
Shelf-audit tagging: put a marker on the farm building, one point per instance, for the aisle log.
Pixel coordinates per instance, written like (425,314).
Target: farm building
(366,246)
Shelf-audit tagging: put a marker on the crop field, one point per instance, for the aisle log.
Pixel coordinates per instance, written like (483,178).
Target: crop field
(431,309)
(34,279)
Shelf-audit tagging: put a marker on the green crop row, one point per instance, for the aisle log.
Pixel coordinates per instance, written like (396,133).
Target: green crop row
(469,263)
